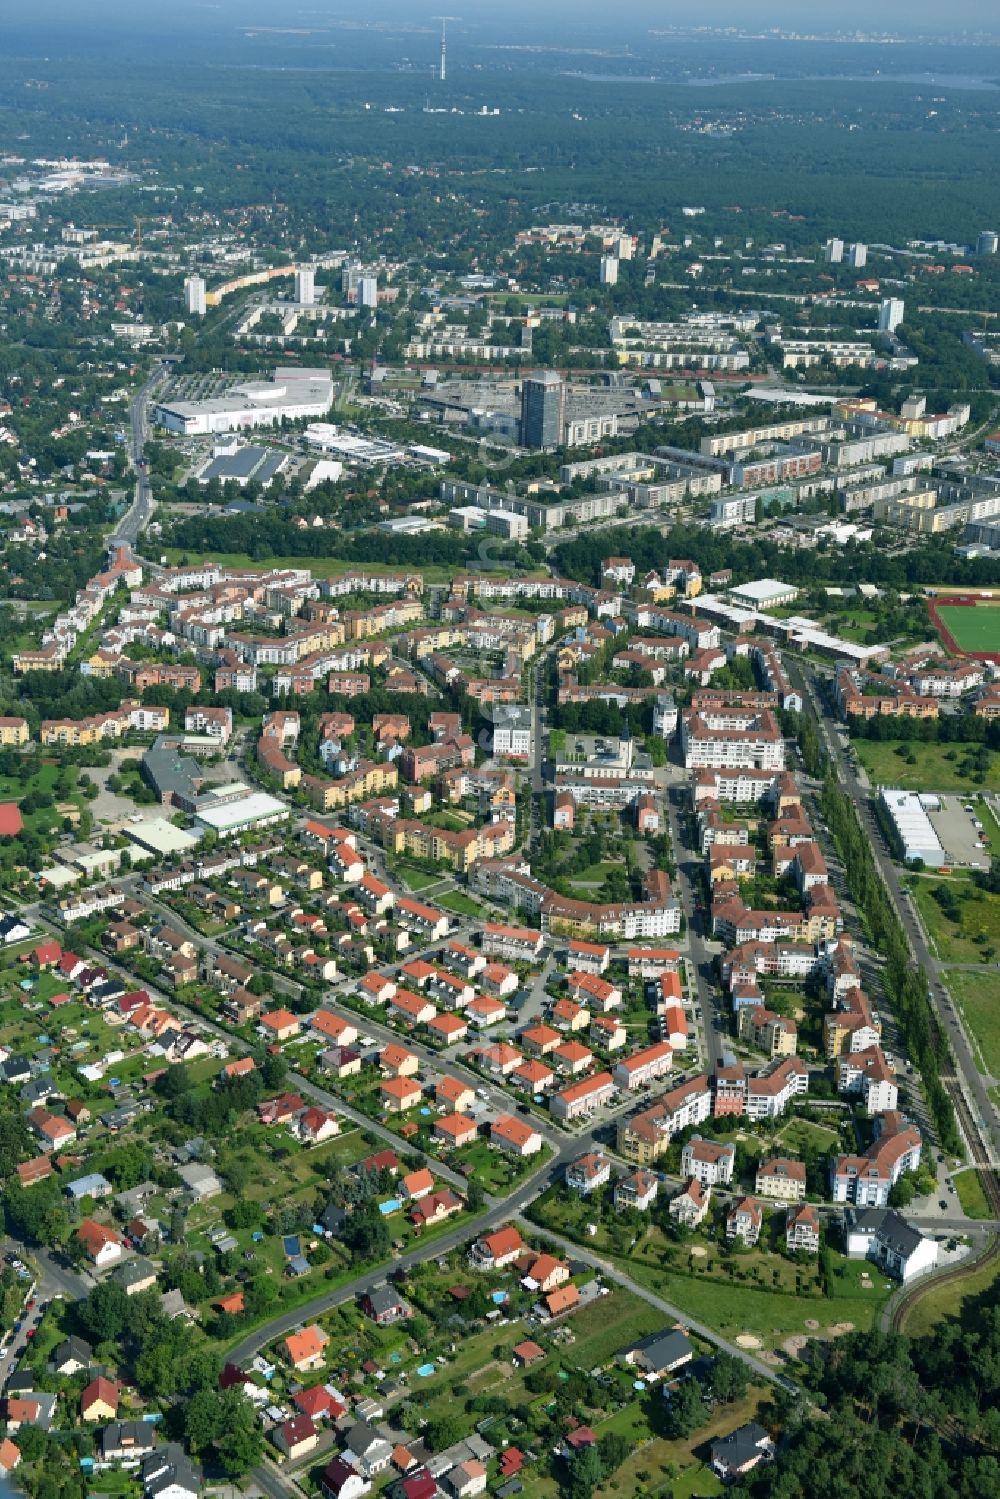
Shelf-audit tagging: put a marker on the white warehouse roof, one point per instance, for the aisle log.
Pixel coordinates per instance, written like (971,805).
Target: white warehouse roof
(914,829)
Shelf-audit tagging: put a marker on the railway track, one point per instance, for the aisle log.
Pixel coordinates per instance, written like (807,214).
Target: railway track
(991,1186)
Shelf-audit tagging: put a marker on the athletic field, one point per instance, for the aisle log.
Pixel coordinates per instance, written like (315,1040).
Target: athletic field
(968,628)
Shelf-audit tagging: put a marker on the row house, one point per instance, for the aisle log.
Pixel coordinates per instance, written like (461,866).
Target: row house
(652,962)
(590,989)
(644,1067)
(512,944)
(729,1090)
(583,1098)
(743,785)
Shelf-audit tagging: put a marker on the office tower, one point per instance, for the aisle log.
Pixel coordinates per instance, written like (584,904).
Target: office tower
(543,409)
(834,251)
(194,295)
(368,291)
(987,242)
(609,270)
(857,257)
(305,286)
(890,314)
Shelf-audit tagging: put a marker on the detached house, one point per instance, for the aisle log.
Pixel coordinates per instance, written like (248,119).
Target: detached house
(103,1246)
(743,1221)
(690,1207)
(305,1348)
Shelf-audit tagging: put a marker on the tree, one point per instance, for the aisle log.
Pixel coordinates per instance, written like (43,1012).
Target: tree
(202,1421)
(15,1142)
(444,1431)
(367,1233)
(105,1313)
(729,1379)
(686,1411)
(614,1448)
(586,1473)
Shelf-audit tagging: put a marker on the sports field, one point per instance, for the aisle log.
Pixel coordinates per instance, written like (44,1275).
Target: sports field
(969,629)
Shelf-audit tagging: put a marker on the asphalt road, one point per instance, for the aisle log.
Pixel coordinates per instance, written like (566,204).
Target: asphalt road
(493,1217)
(701,958)
(140,512)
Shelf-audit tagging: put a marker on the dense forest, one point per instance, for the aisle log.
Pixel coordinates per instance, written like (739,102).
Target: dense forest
(344,128)
(904,1419)
(933,561)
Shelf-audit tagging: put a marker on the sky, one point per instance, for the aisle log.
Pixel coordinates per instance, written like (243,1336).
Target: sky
(815,16)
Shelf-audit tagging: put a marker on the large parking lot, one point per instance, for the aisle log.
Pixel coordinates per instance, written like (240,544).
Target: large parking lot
(955,822)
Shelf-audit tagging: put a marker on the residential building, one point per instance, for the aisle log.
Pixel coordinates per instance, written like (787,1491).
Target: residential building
(708,1162)
(802,1229)
(588,1173)
(743,1221)
(781,1179)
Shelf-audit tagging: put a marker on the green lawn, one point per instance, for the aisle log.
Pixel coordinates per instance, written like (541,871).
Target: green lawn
(937,768)
(969,1186)
(658,1457)
(979,918)
(595,874)
(949,1300)
(770,1316)
(495,1171)
(462,905)
(758,1293)
(609,1324)
(974,628)
(978,997)
(799,1135)
(414,878)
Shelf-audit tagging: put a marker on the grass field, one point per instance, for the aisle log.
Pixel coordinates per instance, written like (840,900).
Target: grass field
(416,879)
(771,1316)
(802,1134)
(949,1300)
(969,1186)
(462,905)
(609,1324)
(956,942)
(978,997)
(938,766)
(974,628)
